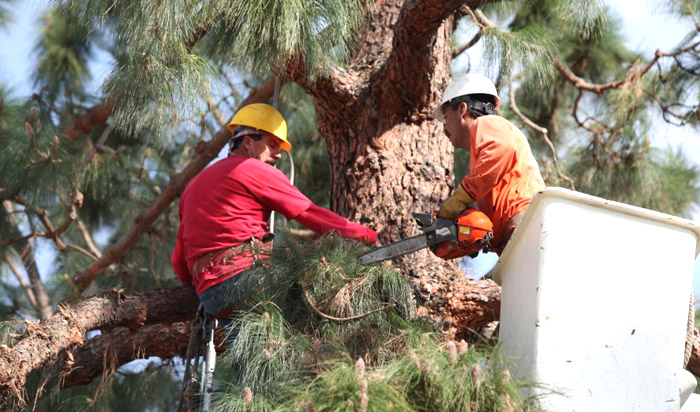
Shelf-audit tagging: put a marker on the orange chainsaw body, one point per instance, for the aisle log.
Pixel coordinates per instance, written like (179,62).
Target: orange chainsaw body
(474,233)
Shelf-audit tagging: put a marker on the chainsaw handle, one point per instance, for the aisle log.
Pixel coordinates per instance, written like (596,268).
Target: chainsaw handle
(424,220)
(436,230)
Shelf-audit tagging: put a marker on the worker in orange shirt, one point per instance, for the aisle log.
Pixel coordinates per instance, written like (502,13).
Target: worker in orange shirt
(503,174)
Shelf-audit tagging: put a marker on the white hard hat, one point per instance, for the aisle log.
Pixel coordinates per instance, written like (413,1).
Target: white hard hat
(469,83)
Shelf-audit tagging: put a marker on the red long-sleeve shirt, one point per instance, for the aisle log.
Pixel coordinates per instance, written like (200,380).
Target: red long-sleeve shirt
(229,203)
(503,174)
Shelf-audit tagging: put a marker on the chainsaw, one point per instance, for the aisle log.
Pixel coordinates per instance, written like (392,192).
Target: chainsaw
(471,232)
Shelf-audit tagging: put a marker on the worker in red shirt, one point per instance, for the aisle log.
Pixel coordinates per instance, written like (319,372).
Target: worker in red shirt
(503,174)
(225,209)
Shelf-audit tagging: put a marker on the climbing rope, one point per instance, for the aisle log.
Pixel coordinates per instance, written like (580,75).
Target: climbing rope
(690,333)
(194,390)
(275,103)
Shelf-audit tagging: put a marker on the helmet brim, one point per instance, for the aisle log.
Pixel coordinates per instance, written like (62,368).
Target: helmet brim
(284,145)
(437,114)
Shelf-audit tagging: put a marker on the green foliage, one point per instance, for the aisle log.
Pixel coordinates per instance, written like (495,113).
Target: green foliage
(5,13)
(444,376)
(33,154)
(311,163)
(265,35)
(290,357)
(661,180)
(158,79)
(508,52)
(431,375)
(322,277)
(169,79)
(342,386)
(63,52)
(583,18)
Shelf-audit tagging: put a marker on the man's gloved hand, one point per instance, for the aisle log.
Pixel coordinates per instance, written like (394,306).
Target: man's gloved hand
(455,204)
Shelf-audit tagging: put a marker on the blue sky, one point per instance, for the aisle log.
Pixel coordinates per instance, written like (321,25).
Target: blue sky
(647,28)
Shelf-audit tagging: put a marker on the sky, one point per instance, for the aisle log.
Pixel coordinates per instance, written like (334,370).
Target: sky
(646,27)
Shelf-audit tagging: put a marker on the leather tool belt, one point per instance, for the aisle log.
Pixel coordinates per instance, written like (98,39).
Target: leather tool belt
(255,246)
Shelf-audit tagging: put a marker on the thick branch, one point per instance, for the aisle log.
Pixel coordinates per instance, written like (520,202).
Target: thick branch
(123,345)
(83,124)
(598,89)
(66,329)
(205,152)
(417,31)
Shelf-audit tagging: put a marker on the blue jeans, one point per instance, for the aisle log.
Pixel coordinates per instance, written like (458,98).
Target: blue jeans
(236,293)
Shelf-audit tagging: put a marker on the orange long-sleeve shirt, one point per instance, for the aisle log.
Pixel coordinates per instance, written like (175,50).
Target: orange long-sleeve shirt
(503,173)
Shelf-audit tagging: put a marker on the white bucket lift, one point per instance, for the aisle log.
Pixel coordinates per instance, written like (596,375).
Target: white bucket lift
(594,304)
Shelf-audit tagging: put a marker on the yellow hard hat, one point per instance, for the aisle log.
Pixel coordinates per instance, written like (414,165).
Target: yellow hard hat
(262,116)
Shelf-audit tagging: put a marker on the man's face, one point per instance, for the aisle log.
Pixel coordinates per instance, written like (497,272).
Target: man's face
(456,124)
(266,149)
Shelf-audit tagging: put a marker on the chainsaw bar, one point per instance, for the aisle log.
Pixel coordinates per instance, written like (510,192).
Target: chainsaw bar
(396,249)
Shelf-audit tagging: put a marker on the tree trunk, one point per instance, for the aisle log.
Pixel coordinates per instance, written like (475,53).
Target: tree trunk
(388,157)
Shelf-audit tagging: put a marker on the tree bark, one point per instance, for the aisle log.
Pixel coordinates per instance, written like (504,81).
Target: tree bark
(83,124)
(43,342)
(103,354)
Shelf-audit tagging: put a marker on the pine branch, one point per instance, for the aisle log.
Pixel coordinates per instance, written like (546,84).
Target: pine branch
(26,253)
(43,342)
(632,75)
(121,345)
(542,131)
(312,304)
(101,141)
(88,239)
(461,49)
(27,290)
(205,152)
(53,234)
(83,124)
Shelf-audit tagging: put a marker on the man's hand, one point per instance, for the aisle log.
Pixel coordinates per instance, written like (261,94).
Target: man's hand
(455,204)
